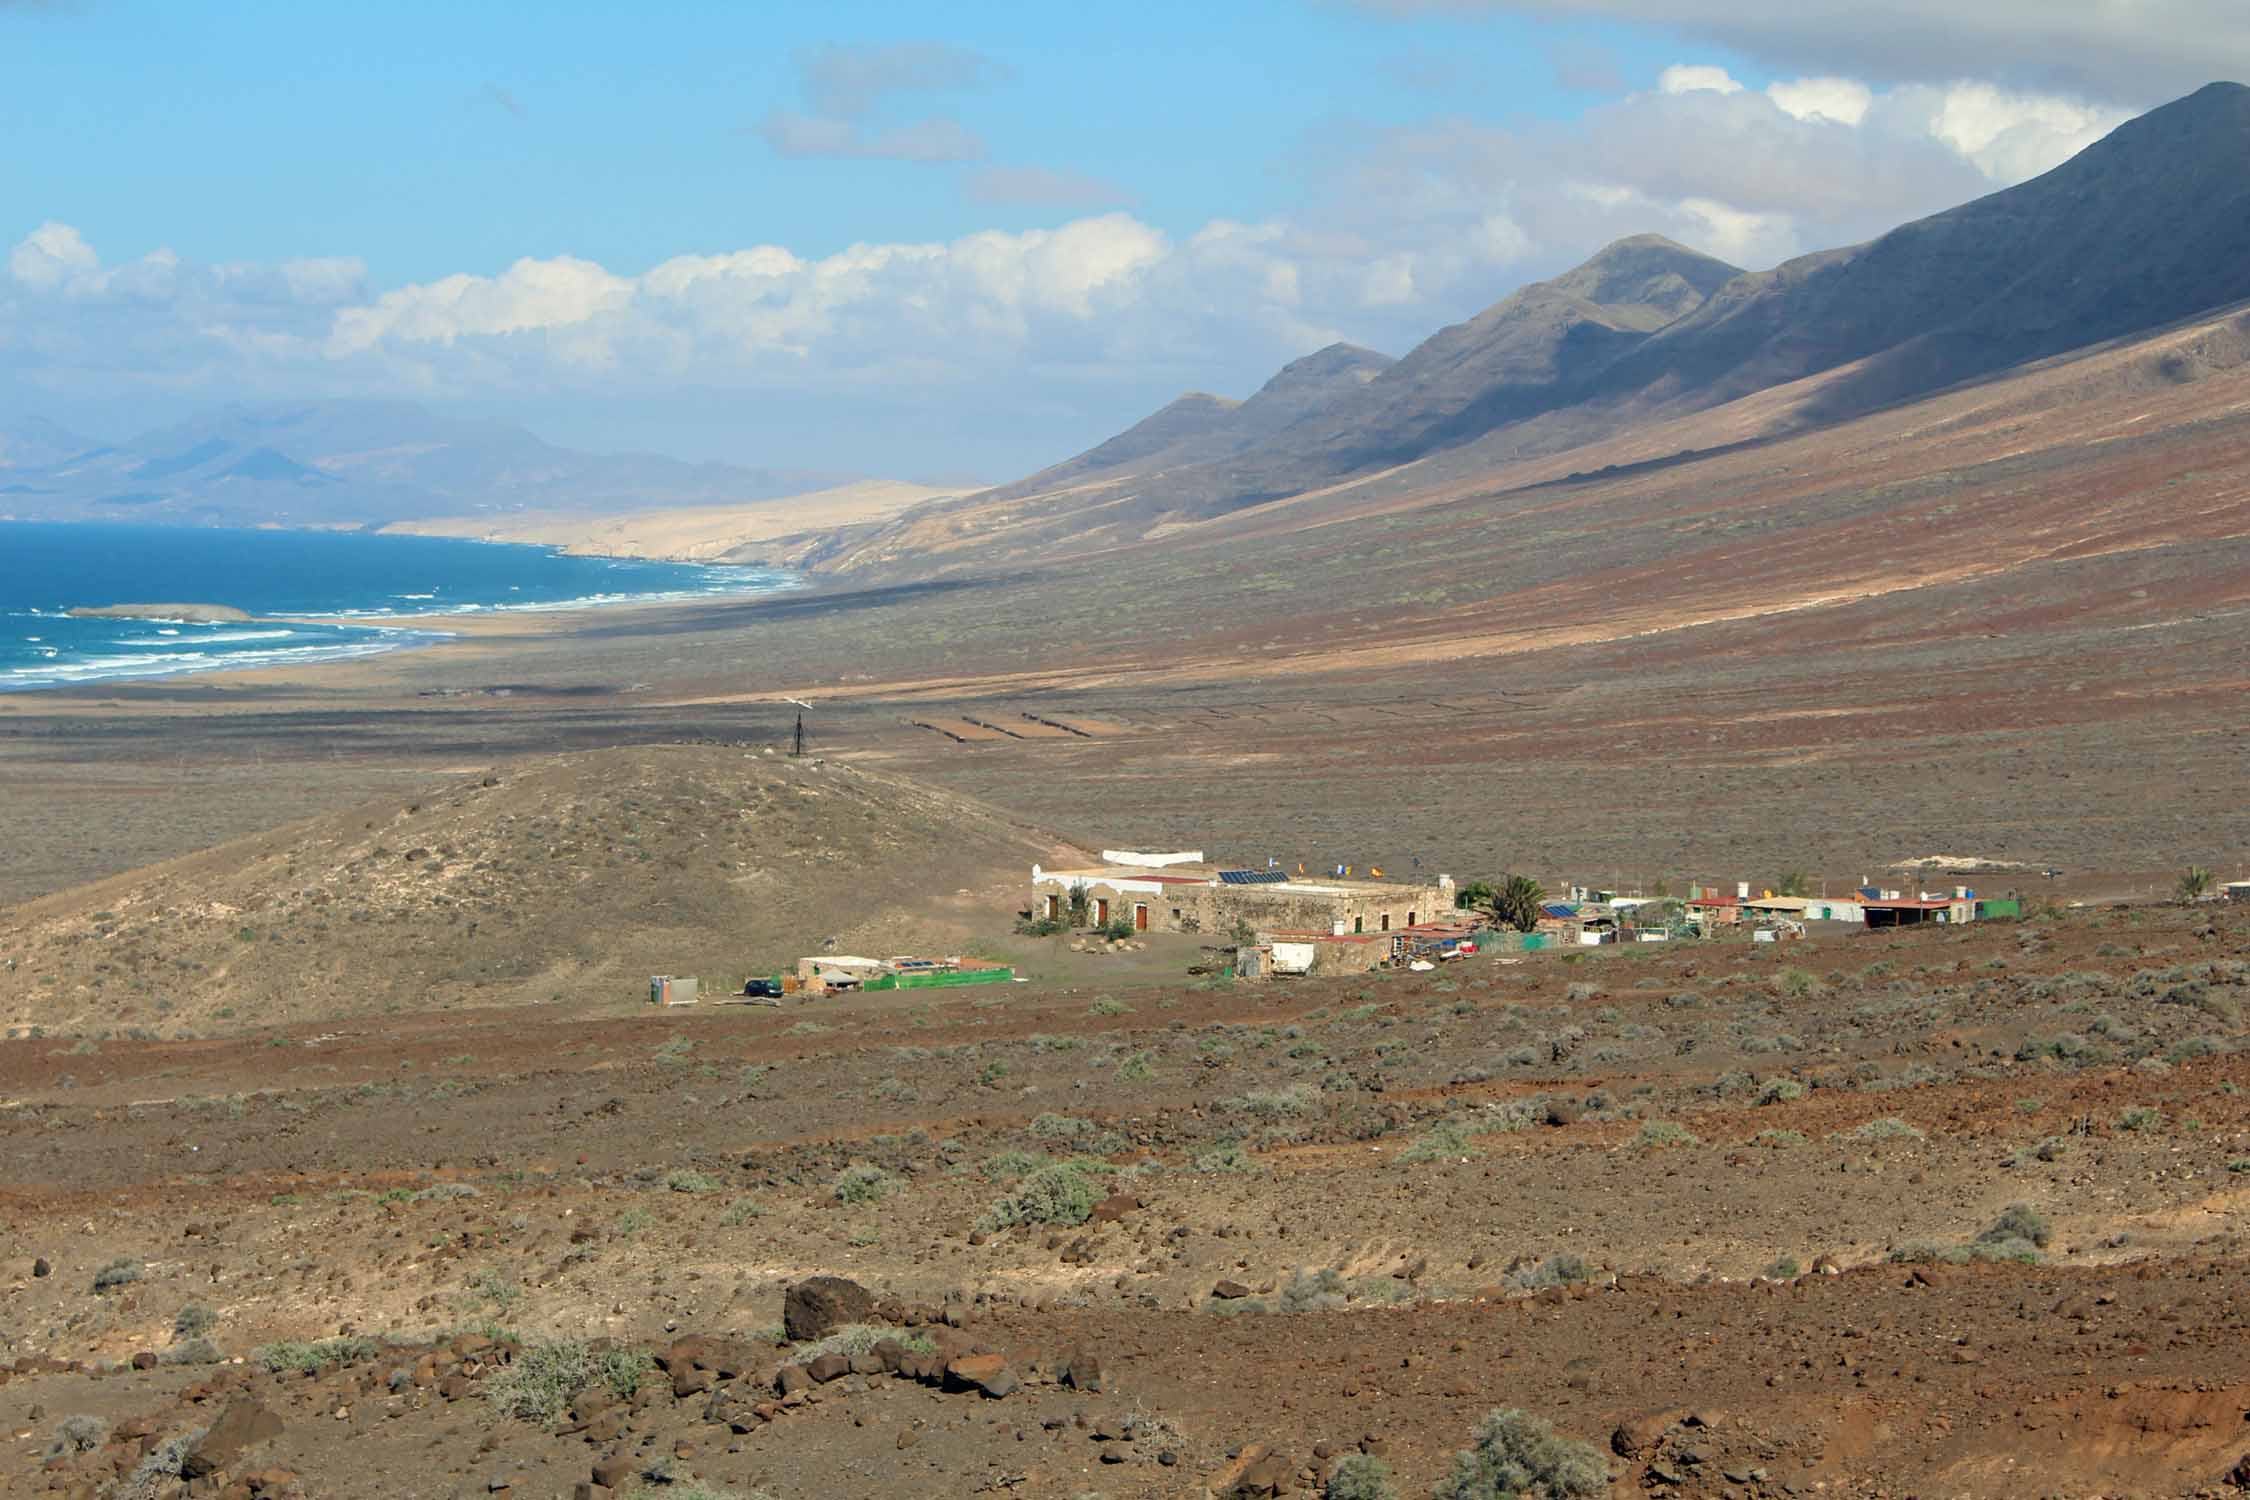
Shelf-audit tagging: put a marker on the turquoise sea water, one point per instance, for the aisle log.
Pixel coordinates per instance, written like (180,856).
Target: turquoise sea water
(381,583)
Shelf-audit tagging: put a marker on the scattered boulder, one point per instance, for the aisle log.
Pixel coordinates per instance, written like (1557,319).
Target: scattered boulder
(829,1367)
(1639,1435)
(988,1373)
(1082,1370)
(1230,1291)
(1115,1207)
(40,1267)
(242,1426)
(819,1305)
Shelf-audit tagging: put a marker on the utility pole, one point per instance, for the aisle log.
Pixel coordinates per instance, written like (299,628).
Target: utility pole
(797,742)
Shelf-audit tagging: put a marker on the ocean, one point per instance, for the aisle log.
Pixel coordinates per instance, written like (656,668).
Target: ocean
(382,584)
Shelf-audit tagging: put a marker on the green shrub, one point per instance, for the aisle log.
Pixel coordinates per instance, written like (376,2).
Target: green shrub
(863,1182)
(82,1433)
(193,1321)
(1444,1141)
(2018,1221)
(310,1358)
(194,1351)
(1785,1269)
(1556,1270)
(740,1211)
(1519,1457)
(1778,1139)
(1064,1193)
(121,1272)
(1798,984)
(1662,1133)
(1109,1006)
(1313,1291)
(859,1338)
(1053,1127)
(2140,1117)
(1224,1159)
(1013,1163)
(539,1382)
(1889,1128)
(1360,1476)
(1136,1069)
(1781,1091)
(688,1180)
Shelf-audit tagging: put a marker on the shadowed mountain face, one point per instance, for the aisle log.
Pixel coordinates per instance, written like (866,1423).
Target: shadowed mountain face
(346,463)
(2145,228)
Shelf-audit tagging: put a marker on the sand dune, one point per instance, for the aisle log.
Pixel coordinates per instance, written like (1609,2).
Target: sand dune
(765,531)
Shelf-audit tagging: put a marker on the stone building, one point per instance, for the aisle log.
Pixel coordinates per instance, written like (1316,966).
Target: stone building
(1180,893)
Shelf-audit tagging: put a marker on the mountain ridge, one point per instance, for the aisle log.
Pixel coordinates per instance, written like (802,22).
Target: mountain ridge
(2142,229)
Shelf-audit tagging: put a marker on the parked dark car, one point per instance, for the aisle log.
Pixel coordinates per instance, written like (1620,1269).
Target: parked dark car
(762,988)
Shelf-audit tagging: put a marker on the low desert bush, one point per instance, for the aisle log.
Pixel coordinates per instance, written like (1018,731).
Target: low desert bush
(1516,1456)
(1063,1193)
(1663,1133)
(1780,1091)
(863,1182)
(2018,1221)
(2140,1117)
(688,1180)
(1556,1270)
(1313,1291)
(309,1358)
(1444,1141)
(1360,1476)
(193,1321)
(117,1273)
(82,1433)
(158,1472)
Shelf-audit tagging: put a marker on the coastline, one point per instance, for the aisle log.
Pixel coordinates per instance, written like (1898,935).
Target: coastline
(385,635)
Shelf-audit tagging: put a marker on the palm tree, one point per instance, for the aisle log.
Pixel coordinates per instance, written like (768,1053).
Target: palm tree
(1516,903)
(1792,883)
(2195,883)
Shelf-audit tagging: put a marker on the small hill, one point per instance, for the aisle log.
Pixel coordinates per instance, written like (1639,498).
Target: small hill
(571,879)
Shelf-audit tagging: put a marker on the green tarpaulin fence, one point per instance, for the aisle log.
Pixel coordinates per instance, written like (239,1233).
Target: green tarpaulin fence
(939,979)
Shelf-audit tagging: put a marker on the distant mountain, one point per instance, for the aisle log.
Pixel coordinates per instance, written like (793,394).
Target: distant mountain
(2147,227)
(34,443)
(349,463)
(1200,428)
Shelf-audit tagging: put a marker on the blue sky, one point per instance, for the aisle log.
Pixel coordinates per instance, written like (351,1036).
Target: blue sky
(635,225)
(441,137)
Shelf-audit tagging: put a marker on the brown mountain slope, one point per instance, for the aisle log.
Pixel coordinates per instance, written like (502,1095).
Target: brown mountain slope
(2149,226)
(572,879)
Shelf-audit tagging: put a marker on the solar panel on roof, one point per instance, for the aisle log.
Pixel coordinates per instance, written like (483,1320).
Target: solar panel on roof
(1253,877)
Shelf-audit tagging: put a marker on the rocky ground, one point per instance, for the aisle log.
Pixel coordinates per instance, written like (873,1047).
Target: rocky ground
(1944,1213)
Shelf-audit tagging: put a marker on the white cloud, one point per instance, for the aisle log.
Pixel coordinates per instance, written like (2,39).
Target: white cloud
(1844,100)
(530,296)
(847,87)
(2009,136)
(1696,78)
(2140,52)
(52,255)
(1043,185)
(1063,329)
(933,140)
